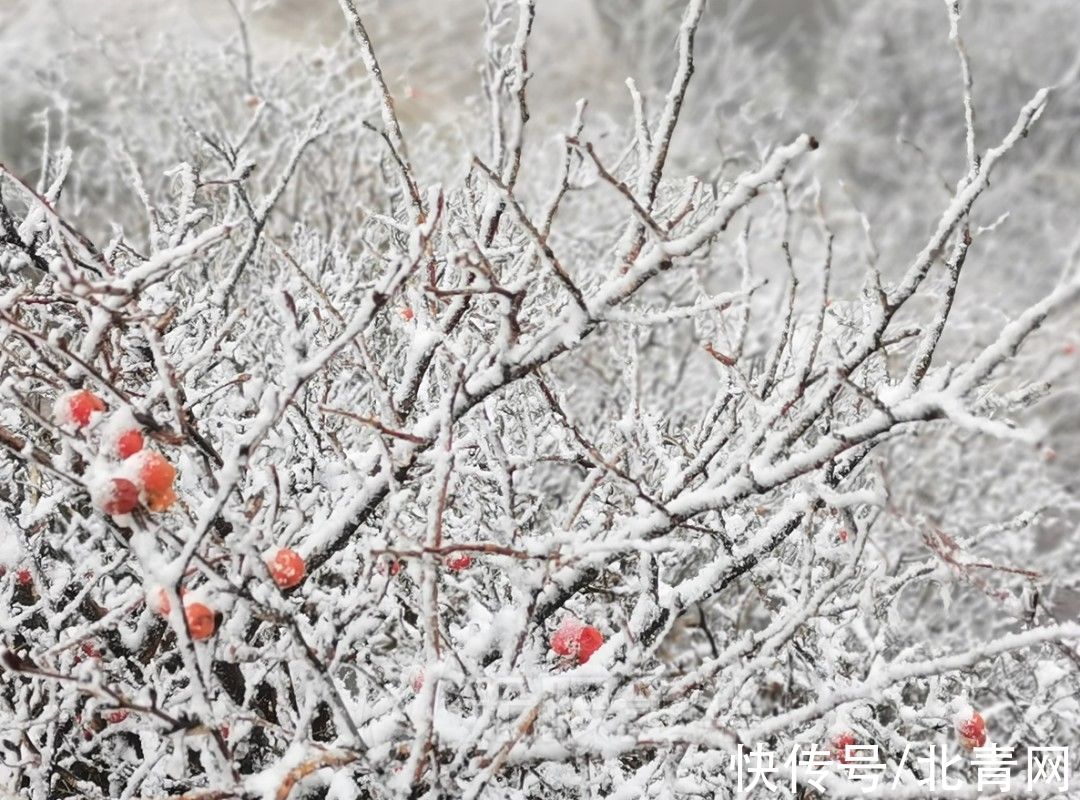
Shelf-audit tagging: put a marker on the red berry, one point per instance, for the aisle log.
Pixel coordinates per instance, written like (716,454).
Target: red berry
(160,501)
(157,475)
(200,620)
(24,577)
(129,443)
(286,567)
(564,641)
(160,604)
(972,731)
(842,535)
(118,716)
(88,650)
(121,497)
(407,314)
(589,642)
(458,561)
(840,745)
(79,406)
(391,566)
(418,680)
(155,472)
(576,640)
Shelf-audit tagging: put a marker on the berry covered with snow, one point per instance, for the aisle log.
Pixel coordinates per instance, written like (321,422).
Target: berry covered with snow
(286,567)
(575,640)
(155,476)
(128,443)
(118,496)
(839,746)
(78,408)
(970,728)
(458,561)
(771,432)
(200,619)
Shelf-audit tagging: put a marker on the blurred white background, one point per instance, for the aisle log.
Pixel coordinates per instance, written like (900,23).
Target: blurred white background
(877,81)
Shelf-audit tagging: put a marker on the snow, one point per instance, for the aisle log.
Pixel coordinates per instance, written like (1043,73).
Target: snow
(652,371)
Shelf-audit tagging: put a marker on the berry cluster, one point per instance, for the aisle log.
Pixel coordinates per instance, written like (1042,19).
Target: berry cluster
(142,477)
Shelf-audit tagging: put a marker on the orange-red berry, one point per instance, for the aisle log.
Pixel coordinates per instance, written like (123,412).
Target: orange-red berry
(129,443)
(155,472)
(156,475)
(200,620)
(286,567)
(80,405)
(160,501)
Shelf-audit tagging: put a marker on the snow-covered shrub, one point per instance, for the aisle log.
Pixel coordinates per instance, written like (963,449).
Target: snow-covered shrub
(563,472)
